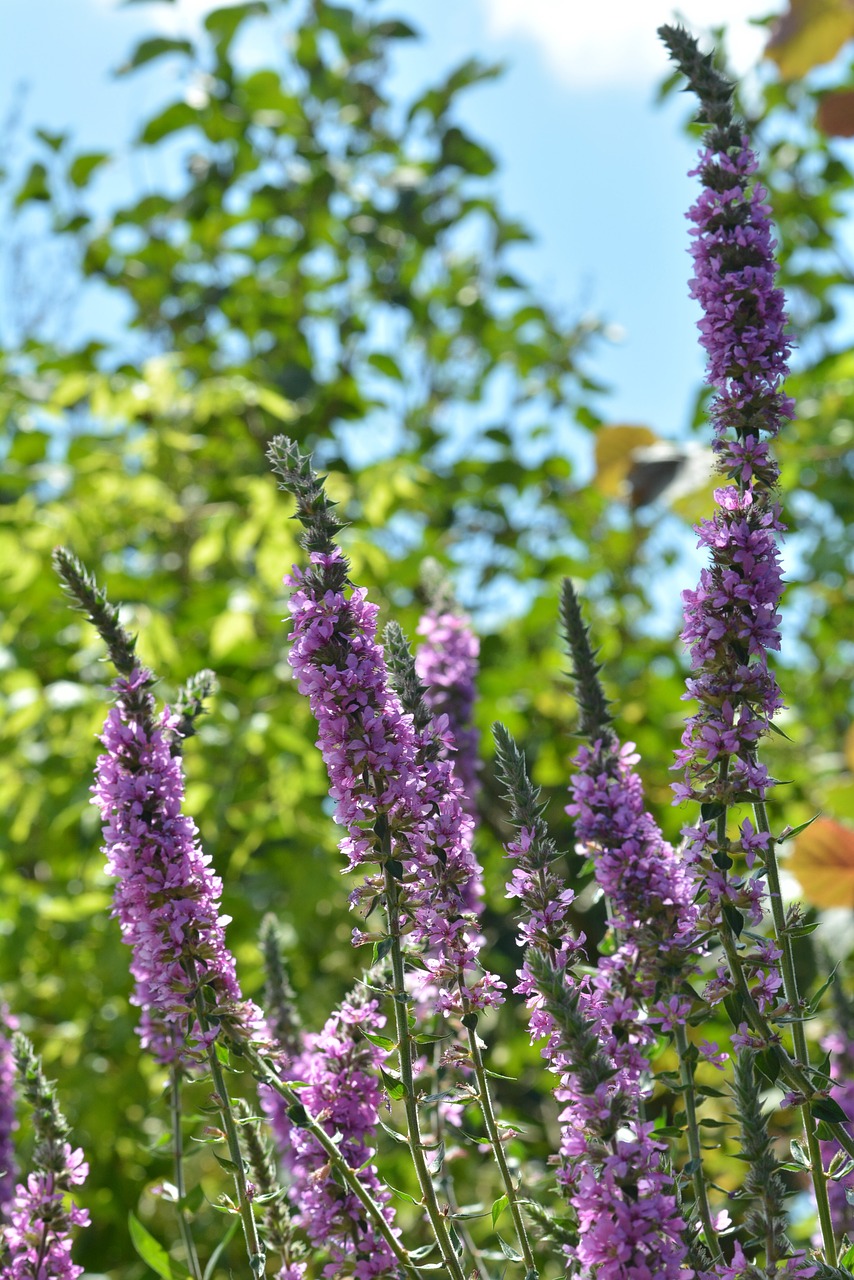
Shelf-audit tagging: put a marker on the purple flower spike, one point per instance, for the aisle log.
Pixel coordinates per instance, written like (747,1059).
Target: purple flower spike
(167,899)
(340,1068)
(447,663)
(38,1239)
(395,794)
(8,1122)
(731,618)
(629,1223)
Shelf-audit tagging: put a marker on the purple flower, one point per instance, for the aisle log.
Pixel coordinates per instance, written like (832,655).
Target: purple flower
(841,1049)
(340,1069)
(167,899)
(612,1172)
(731,618)
(447,662)
(8,1122)
(394,794)
(38,1238)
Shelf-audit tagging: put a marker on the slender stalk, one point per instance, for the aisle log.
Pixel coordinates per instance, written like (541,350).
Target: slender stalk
(447,1186)
(250,1228)
(404,1047)
(470,1024)
(700,1197)
(178,1152)
(787,1068)
(790,988)
(266,1073)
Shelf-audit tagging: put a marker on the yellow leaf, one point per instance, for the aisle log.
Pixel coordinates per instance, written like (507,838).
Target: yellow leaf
(823,864)
(810,33)
(848,748)
(615,446)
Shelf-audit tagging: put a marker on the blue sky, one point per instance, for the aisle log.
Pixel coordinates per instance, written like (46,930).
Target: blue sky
(587,161)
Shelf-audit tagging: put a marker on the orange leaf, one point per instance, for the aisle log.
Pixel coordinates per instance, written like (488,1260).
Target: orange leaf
(836,114)
(810,33)
(823,864)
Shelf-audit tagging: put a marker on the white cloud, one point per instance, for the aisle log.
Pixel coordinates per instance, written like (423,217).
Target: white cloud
(600,43)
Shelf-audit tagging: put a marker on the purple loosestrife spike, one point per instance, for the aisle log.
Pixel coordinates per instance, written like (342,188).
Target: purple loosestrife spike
(731,619)
(398,801)
(166,898)
(8,1122)
(629,1224)
(438,743)
(447,662)
(340,1068)
(649,888)
(36,1243)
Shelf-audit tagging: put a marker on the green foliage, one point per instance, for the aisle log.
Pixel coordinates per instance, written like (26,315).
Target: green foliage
(338,263)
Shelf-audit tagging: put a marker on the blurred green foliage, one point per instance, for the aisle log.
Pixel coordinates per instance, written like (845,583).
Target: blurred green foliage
(338,265)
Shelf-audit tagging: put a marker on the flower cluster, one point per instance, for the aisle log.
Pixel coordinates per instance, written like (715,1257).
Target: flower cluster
(397,797)
(629,1223)
(38,1237)
(36,1242)
(447,661)
(731,619)
(8,1122)
(339,1067)
(167,900)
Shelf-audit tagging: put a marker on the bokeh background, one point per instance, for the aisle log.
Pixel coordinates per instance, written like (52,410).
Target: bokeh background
(466,288)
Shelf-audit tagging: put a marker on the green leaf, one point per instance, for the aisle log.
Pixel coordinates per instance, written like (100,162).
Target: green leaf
(83,166)
(385,364)
(151,1252)
(56,141)
(509,1251)
(223,24)
(498,1208)
(733,917)
(148,50)
(180,115)
(382,1042)
(398,1137)
(381,950)
(395,1087)
(34,186)
(791,832)
(828,1109)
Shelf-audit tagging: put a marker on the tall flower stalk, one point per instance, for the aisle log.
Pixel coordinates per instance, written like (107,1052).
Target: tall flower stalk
(400,803)
(629,1222)
(731,618)
(166,898)
(37,1241)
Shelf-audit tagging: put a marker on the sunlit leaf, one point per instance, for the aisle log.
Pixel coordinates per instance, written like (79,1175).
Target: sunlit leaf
(615,446)
(808,34)
(823,864)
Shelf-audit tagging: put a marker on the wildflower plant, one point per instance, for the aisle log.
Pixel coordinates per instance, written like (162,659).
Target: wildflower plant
(694,933)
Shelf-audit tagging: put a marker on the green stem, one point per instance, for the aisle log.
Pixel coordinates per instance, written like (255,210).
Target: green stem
(790,989)
(700,1198)
(266,1073)
(404,1046)
(446,1183)
(178,1149)
(470,1024)
(244,1204)
(791,1071)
